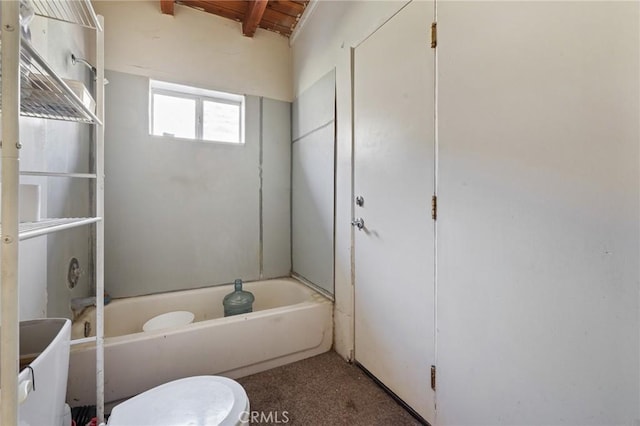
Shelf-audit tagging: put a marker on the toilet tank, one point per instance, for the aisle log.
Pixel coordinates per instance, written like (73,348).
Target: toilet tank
(44,346)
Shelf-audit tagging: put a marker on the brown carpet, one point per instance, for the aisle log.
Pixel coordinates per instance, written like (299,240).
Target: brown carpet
(323,390)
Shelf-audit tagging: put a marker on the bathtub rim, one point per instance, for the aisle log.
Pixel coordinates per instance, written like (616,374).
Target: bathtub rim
(291,278)
(315,298)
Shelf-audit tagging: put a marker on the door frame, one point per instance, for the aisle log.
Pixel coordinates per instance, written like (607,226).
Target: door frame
(352,70)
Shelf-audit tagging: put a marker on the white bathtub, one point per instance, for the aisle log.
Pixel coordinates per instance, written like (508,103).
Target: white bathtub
(290,322)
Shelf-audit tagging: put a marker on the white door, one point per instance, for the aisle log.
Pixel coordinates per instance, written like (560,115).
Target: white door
(394,175)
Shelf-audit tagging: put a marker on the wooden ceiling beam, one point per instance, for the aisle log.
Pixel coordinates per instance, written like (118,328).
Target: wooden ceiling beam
(166,6)
(287,8)
(227,9)
(253,16)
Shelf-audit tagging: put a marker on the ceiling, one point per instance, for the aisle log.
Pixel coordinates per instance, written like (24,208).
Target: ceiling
(280,16)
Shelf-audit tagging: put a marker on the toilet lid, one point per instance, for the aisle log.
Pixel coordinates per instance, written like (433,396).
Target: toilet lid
(200,400)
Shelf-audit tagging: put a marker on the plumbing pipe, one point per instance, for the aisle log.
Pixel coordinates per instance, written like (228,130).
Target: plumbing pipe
(75,59)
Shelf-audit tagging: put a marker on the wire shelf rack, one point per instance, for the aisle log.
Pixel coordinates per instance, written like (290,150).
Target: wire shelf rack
(47,226)
(74,11)
(43,94)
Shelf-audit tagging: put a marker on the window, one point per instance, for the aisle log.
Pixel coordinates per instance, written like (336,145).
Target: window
(185,112)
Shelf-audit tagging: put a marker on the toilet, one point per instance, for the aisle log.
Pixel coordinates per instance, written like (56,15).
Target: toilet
(198,400)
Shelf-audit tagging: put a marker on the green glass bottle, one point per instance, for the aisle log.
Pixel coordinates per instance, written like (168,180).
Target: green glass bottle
(238,302)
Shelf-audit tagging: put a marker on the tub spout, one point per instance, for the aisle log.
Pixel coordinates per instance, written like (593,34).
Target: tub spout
(80,303)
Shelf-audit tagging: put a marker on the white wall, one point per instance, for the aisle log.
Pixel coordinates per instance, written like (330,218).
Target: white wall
(539,201)
(33,279)
(32,270)
(61,147)
(68,149)
(184,214)
(196,48)
(325,43)
(546,332)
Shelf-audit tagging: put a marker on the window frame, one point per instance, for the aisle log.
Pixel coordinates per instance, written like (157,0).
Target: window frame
(200,96)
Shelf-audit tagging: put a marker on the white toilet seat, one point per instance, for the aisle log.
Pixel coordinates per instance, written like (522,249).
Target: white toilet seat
(199,400)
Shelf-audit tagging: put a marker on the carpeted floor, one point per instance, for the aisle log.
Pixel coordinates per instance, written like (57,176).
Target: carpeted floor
(323,390)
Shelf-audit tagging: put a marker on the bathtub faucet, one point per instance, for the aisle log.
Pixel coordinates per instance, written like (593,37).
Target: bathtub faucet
(80,303)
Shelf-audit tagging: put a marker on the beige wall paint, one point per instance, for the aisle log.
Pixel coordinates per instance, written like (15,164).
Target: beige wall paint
(196,48)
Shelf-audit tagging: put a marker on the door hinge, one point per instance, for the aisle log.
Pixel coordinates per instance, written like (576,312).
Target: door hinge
(434,207)
(433,377)
(434,35)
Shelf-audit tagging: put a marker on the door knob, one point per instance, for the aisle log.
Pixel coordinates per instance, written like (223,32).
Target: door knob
(358,222)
